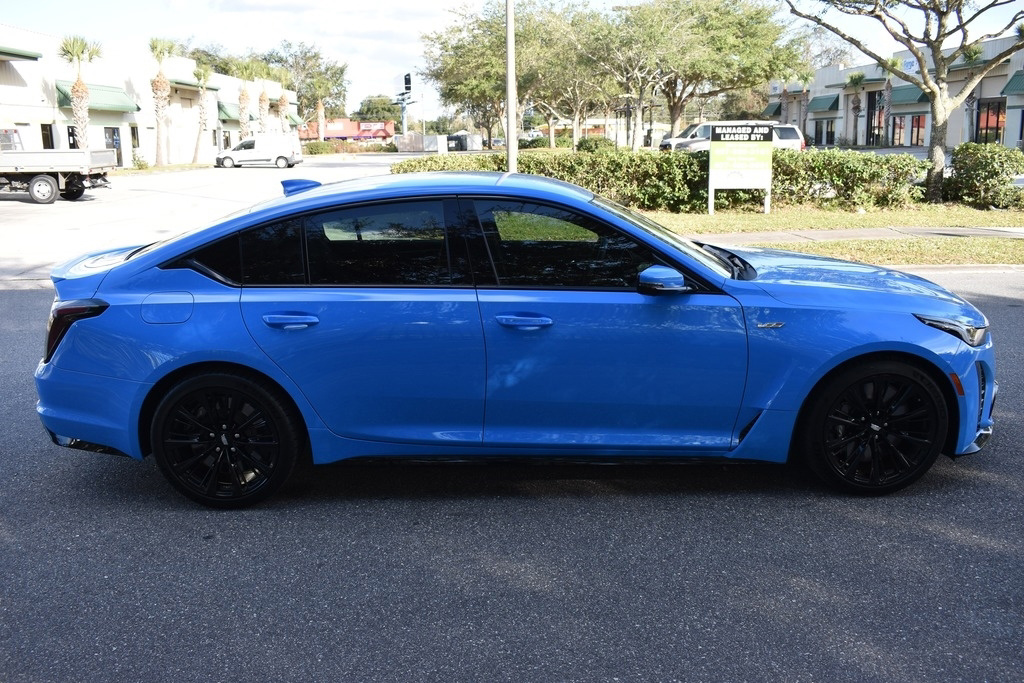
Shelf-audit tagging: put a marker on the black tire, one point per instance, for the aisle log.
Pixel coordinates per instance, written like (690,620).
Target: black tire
(224,440)
(875,428)
(73,193)
(43,189)
(281,162)
(227,162)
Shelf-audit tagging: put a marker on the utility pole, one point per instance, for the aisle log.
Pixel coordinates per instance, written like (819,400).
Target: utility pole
(511,98)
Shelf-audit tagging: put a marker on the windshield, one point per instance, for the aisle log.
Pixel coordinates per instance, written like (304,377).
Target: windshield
(689,129)
(665,235)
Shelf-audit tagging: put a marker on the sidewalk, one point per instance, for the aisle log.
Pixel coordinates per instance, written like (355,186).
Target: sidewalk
(784,237)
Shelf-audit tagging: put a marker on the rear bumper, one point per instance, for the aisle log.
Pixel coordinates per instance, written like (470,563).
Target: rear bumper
(88,412)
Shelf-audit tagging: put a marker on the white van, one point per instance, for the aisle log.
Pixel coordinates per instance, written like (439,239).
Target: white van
(697,137)
(283,151)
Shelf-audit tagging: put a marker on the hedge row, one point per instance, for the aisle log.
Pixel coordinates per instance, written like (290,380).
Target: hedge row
(677,181)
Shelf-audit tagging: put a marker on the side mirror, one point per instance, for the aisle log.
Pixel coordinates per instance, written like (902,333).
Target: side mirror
(662,280)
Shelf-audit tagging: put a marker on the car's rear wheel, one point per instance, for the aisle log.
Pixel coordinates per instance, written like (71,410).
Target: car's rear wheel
(225,440)
(281,162)
(875,428)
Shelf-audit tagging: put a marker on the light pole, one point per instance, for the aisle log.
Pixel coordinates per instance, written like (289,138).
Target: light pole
(511,98)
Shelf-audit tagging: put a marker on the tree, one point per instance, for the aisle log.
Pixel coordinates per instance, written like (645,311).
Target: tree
(245,71)
(855,80)
(202,75)
(923,27)
(891,63)
(320,89)
(972,57)
(378,108)
(467,62)
(76,50)
(730,45)
(630,46)
(161,49)
(282,112)
(306,68)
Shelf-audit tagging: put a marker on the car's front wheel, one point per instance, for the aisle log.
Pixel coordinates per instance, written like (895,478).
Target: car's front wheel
(225,440)
(227,162)
(875,428)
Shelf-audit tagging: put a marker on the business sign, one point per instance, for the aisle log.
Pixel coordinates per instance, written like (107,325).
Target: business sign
(741,159)
(371,126)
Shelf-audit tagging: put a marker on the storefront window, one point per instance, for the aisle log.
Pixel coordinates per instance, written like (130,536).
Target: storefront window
(917,130)
(991,121)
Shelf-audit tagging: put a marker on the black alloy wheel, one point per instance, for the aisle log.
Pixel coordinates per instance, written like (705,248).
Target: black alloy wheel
(875,429)
(224,440)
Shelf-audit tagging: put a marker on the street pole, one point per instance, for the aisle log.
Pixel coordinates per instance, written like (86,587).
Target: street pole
(511,98)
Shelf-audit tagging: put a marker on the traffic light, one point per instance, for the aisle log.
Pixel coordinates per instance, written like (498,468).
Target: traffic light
(408,82)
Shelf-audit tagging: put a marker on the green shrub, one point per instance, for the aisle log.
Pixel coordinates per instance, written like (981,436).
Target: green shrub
(678,181)
(594,144)
(138,162)
(318,147)
(983,175)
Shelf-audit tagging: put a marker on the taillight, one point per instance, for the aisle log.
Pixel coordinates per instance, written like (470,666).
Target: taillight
(63,314)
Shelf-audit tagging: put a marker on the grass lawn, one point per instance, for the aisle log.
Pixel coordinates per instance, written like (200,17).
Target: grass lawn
(908,251)
(807,218)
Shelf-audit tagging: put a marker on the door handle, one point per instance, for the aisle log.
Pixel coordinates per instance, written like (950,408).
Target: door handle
(524,322)
(290,322)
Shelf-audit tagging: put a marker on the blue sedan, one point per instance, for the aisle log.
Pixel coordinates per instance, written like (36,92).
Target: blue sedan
(478,314)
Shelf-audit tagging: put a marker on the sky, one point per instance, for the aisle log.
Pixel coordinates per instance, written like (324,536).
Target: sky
(379,42)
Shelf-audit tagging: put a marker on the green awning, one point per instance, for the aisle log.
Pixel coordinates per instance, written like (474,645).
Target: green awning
(295,120)
(9,54)
(823,103)
(772,109)
(192,85)
(1015,86)
(908,94)
(227,111)
(101,97)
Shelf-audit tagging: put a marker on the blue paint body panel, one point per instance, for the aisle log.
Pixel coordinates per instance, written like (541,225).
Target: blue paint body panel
(722,369)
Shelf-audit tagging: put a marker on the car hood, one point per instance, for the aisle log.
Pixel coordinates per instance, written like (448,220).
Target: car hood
(803,279)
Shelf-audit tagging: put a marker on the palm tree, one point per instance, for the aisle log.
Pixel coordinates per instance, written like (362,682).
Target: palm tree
(805,78)
(245,71)
(891,63)
(161,48)
(320,88)
(855,81)
(972,55)
(282,112)
(77,51)
(202,75)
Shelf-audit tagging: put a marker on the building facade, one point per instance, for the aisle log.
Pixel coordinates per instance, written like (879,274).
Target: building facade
(824,108)
(35,98)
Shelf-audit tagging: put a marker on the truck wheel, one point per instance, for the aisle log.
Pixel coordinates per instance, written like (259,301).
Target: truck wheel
(73,193)
(281,162)
(42,189)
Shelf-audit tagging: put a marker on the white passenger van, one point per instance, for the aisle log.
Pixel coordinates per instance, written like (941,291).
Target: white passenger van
(281,150)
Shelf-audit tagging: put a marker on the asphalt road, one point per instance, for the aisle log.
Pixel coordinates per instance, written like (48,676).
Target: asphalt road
(501,571)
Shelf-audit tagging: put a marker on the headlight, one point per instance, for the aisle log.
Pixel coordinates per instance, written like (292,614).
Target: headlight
(971,335)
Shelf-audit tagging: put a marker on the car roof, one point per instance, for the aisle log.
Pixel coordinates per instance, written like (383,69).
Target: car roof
(413,184)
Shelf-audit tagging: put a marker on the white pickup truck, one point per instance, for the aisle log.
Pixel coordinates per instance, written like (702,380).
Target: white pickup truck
(46,173)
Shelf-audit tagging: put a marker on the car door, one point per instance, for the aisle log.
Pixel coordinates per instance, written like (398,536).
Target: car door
(378,325)
(577,357)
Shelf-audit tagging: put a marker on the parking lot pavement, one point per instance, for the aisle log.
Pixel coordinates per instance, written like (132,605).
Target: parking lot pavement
(143,208)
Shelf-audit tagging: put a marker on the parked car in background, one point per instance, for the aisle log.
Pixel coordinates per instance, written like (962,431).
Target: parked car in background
(697,137)
(472,315)
(283,151)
